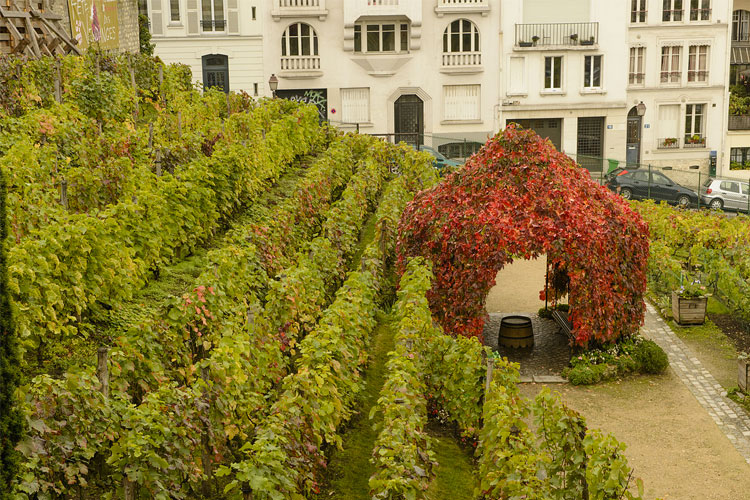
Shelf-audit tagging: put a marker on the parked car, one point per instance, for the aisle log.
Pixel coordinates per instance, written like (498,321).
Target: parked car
(635,184)
(721,194)
(440,161)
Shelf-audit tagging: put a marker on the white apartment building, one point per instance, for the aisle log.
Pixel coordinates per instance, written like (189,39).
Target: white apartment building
(221,40)
(563,74)
(737,153)
(678,66)
(423,71)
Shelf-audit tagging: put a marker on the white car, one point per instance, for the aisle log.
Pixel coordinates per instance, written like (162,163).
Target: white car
(731,194)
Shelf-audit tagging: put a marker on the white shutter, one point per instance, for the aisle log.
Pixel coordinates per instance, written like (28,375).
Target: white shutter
(233,17)
(461,102)
(517,76)
(193,18)
(157,18)
(355,105)
(669,121)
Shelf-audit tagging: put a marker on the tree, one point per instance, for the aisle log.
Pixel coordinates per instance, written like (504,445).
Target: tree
(11,419)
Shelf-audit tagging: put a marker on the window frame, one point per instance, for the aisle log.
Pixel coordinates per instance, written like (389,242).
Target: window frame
(700,9)
(674,75)
(401,37)
(174,8)
(694,70)
(637,61)
(286,41)
(672,14)
(475,44)
(477,117)
(740,25)
(691,117)
(213,22)
(638,11)
(560,68)
(369,105)
(589,74)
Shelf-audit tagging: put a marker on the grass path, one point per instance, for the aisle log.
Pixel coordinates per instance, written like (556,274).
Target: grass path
(455,472)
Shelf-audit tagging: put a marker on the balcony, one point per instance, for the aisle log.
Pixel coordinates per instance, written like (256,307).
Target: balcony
(462,7)
(694,141)
(669,143)
(739,122)
(300,67)
(299,8)
(574,36)
(461,62)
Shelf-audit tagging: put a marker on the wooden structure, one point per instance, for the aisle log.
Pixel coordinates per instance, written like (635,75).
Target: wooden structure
(689,311)
(30,28)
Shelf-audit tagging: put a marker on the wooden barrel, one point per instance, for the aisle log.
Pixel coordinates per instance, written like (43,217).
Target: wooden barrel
(516,331)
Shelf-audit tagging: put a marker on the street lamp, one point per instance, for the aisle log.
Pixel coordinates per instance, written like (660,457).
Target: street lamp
(640,109)
(273,82)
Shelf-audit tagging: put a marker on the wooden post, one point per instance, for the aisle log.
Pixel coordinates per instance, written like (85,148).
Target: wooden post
(263,133)
(229,107)
(179,124)
(128,489)
(102,370)
(206,445)
(135,90)
(64,193)
(490,368)
(157,162)
(161,83)
(150,136)
(58,82)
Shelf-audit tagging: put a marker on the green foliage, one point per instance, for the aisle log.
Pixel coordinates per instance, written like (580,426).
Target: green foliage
(11,419)
(144,36)
(650,357)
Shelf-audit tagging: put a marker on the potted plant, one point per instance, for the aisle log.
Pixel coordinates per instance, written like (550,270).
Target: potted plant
(574,38)
(689,304)
(590,41)
(534,39)
(523,43)
(695,139)
(670,141)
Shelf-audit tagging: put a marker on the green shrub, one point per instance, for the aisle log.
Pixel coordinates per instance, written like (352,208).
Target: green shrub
(585,374)
(650,357)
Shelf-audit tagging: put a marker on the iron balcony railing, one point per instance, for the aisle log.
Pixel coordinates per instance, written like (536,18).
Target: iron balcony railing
(213,24)
(700,14)
(557,34)
(739,122)
(669,143)
(379,3)
(694,141)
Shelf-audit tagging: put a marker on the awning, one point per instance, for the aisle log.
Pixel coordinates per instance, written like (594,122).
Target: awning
(740,55)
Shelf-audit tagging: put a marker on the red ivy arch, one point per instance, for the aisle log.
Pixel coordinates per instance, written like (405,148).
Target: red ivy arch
(519,198)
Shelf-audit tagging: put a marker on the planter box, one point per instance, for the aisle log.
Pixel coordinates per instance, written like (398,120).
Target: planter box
(743,366)
(587,42)
(689,311)
(525,44)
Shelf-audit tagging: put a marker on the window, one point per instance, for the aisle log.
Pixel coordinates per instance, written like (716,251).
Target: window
(553,73)
(694,124)
(636,75)
(461,102)
(590,147)
(174,11)
(592,72)
(670,64)
(740,26)
(638,11)
(355,105)
(698,63)
(672,10)
(461,36)
(299,39)
(381,37)
(732,187)
(216,72)
(253,12)
(739,159)
(700,10)
(640,176)
(255,89)
(213,15)
(669,124)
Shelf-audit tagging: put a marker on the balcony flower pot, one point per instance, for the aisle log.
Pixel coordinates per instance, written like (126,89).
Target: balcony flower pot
(590,41)
(534,39)
(525,44)
(689,304)
(573,39)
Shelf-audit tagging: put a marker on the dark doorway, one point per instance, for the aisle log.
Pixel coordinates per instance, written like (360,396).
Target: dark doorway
(409,117)
(590,153)
(548,128)
(216,72)
(633,152)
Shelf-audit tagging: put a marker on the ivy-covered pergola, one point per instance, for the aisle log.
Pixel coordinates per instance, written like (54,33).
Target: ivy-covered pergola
(521,198)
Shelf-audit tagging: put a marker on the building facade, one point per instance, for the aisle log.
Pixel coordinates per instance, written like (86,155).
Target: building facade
(737,152)
(221,40)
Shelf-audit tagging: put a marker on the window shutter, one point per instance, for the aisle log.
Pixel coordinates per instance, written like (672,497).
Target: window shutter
(517,76)
(461,102)
(669,120)
(355,105)
(233,17)
(193,18)
(157,18)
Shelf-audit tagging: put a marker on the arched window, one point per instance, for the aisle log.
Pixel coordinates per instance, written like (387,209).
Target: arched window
(299,39)
(461,35)
(740,26)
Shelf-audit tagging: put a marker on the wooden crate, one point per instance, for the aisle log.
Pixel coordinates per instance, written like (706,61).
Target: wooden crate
(689,311)
(743,373)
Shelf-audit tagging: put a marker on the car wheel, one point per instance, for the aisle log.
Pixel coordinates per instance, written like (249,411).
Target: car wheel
(683,201)
(716,204)
(626,193)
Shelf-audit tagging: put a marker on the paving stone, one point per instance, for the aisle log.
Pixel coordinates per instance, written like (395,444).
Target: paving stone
(549,379)
(729,417)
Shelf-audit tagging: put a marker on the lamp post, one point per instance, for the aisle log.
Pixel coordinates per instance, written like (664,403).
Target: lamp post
(640,109)
(273,83)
